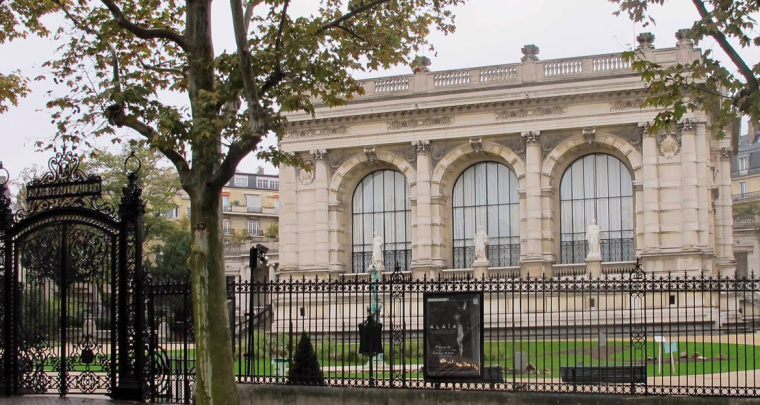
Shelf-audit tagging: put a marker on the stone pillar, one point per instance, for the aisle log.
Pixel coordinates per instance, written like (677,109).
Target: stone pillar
(532,259)
(689,202)
(594,265)
(684,47)
(704,178)
(423,241)
(651,193)
(321,210)
(724,238)
(288,216)
(530,63)
(480,268)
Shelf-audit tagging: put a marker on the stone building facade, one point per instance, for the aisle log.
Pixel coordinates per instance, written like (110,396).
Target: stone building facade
(529,152)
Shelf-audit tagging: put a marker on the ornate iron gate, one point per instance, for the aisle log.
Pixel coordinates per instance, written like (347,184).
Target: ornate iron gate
(70,271)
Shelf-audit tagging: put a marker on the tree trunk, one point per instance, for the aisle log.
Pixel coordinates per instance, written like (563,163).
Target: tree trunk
(215,378)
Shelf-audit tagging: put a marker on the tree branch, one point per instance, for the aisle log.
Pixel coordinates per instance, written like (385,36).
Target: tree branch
(745,71)
(335,23)
(236,153)
(175,157)
(162,69)
(145,33)
(354,34)
(249,12)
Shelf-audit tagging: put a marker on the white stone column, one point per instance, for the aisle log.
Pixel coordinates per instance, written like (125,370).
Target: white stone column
(321,209)
(704,180)
(288,219)
(423,240)
(724,239)
(533,213)
(689,202)
(651,193)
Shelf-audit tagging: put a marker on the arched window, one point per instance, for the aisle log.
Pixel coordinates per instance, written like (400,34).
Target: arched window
(381,204)
(485,195)
(597,187)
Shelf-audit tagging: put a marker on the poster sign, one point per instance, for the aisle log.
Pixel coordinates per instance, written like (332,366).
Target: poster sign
(453,335)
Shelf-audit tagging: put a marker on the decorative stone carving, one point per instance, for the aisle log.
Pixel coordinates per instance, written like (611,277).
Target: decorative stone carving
(670,144)
(323,132)
(421,146)
(319,154)
(481,242)
(687,125)
(337,158)
(529,52)
(531,137)
(420,65)
(515,144)
(477,144)
(371,154)
(306,177)
(684,38)
(726,153)
(534,112)
(592,237)
(423,122)
(645,40)
(550,140)
(439,149)
(629,104)
(589,134)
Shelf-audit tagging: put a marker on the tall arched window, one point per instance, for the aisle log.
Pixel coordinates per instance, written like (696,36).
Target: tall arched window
(485,195)
(597,187)
(381,204)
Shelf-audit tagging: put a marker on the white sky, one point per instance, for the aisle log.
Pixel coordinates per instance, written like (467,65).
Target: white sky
(489,32)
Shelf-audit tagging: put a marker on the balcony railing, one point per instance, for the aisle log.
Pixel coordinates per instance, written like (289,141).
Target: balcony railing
(754,195)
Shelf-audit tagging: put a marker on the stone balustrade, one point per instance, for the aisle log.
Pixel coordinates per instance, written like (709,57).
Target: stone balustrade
(530,71)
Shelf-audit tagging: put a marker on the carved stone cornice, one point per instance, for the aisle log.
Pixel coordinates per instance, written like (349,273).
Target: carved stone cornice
(512,110)
(315,132)
(422,122)
(531,112)
(627,104)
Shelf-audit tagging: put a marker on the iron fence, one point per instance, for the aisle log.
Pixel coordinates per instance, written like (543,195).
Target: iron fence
(620,333)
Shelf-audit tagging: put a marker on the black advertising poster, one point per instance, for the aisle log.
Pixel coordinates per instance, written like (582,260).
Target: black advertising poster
(453,335)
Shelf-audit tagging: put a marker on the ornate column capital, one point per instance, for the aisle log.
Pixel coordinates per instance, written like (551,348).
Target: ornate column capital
(688,125)
(319,154)
(726,153)
(421,146)
(531,137)
(644,127)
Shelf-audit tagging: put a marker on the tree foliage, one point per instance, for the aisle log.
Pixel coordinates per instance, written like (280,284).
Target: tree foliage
(157,178)
(170,257)
(704,84)
(123,61)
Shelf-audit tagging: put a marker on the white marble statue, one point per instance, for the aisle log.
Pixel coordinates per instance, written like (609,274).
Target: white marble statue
(481,241)
(592,237)
(377,251)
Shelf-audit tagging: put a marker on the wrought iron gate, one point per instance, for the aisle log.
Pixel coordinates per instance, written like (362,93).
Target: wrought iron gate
(70,271)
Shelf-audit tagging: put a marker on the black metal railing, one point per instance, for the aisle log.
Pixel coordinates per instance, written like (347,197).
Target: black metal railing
(630,333)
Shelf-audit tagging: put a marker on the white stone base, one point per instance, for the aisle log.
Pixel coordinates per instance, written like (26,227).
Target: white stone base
(480,268)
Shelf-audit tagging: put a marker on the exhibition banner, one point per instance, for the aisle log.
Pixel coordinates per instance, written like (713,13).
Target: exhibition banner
(453,335)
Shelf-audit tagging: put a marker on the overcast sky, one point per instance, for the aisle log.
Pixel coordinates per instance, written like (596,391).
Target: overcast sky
(489,32)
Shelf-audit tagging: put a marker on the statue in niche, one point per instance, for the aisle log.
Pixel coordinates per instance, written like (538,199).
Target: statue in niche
(481,242)
(377,251)
(592,237)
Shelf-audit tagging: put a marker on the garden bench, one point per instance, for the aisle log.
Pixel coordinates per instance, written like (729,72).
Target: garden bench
(603,374)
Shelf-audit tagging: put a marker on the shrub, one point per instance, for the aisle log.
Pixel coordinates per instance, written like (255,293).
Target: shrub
(305,369)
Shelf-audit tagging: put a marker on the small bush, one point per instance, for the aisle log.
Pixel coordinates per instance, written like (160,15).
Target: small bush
(305,369)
